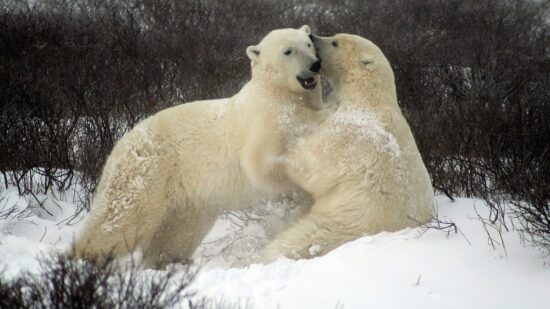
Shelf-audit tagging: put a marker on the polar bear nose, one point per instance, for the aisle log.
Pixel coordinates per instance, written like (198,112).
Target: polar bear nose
(315,67)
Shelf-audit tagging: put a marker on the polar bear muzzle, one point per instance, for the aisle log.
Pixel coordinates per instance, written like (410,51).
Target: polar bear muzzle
(307,79)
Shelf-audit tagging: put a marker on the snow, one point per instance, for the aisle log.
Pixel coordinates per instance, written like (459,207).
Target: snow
(32,230)
(396,270)
(413,268)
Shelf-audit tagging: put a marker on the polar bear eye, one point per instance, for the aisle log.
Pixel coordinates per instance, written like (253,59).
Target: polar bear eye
(308,45)
(288,52)
(335,43)
(366,61)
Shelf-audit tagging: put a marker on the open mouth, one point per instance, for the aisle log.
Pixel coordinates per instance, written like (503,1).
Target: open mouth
(307,83)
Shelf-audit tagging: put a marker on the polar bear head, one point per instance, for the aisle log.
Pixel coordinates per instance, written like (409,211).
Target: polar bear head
(350,60)
(286,59)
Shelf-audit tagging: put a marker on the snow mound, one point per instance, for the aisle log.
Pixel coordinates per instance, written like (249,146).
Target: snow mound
(413,268)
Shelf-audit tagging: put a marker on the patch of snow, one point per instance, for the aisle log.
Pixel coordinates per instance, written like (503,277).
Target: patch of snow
(238,236)
(31,230)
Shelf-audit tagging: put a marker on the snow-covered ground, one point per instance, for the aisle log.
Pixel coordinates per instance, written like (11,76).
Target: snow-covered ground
(414,268)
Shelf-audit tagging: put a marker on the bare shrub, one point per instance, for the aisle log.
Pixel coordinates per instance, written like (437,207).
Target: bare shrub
(66,283)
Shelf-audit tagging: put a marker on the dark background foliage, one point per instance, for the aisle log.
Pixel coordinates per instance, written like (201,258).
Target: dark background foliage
(473,79)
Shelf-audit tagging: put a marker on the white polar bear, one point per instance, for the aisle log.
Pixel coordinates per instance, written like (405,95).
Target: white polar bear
(362,166)
(167,180)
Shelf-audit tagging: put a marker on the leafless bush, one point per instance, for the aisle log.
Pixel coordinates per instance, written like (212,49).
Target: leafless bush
(66,283)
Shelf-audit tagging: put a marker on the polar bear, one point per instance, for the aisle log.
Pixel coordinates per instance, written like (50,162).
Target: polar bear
(362,165)
(166,181)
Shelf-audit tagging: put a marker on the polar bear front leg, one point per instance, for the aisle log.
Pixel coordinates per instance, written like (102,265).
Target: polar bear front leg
(295,242)
(334,219)
(313,235)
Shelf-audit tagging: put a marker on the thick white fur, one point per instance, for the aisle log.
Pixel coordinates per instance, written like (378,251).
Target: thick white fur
(167,180)
(362,166)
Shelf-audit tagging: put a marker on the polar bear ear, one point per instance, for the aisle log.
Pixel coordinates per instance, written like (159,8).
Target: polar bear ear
(252,51)
(306,29)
